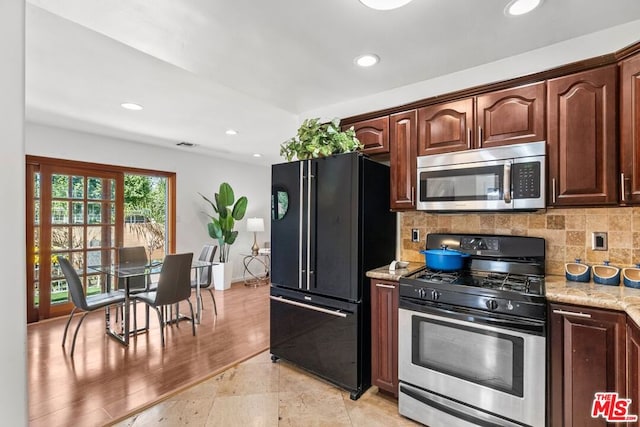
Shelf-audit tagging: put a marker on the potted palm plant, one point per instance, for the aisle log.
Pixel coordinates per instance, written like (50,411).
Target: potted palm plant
(227,211)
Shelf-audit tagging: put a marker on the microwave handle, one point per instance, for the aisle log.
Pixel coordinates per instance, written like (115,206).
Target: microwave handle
(507,182)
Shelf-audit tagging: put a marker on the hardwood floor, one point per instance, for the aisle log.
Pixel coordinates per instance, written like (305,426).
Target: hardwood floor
(106,381)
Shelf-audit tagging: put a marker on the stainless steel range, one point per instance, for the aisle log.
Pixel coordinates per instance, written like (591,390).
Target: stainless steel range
(472,343)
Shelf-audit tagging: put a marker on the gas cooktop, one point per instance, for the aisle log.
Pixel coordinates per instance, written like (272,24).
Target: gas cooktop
(498,281)
(505,276)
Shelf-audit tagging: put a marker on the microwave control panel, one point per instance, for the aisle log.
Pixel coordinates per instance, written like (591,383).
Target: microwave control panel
(526,180)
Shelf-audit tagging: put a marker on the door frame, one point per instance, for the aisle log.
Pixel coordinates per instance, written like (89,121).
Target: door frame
(33,166)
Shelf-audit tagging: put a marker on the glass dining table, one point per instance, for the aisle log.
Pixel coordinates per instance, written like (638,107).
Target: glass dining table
(126,272)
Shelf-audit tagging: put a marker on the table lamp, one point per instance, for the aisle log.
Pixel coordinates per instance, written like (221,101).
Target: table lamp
(255,225)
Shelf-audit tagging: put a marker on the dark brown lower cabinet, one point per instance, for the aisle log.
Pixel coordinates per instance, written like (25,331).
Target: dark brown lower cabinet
(384,335)
(587,355)
(633,368)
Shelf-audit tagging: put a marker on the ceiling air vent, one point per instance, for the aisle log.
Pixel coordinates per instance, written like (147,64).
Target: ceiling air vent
(185,144)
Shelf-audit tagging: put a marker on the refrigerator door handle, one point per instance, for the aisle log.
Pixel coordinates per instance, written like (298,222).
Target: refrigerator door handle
(309,208)
(337,313)
(300,225)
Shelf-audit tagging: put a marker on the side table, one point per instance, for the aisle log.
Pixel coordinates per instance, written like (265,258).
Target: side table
(260,274)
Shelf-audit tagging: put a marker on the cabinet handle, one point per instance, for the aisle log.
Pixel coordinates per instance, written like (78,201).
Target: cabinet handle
(553,190)
(572,313)
(480,136)
(622,187)
(382,285)
(469,138)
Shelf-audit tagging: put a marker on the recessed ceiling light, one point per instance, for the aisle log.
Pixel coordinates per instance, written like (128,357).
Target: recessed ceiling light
(231,132)
(257,155)
(384,4)
(367,60)
(131,106)
(520,7)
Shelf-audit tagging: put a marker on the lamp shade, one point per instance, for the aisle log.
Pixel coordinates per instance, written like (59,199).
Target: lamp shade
(255,224)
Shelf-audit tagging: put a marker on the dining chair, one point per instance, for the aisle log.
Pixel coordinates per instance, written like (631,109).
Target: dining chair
(135,256)
(206,275)
(174,286)
(81,301)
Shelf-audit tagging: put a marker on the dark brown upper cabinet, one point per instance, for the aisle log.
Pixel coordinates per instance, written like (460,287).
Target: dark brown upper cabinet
(581,138)
(509,116)
(444,128)
(630,130)
(403,135)
(373,134)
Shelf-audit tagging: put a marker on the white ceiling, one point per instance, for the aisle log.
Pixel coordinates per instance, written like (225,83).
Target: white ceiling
(200,67)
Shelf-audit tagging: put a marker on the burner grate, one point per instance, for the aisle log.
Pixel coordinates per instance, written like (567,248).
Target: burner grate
(440,276)
(508,282)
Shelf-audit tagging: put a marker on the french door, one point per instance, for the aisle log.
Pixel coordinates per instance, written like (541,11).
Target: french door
(84,211)
(76,212)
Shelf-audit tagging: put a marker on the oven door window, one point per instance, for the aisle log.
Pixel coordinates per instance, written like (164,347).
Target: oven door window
(478,183)
(491,359)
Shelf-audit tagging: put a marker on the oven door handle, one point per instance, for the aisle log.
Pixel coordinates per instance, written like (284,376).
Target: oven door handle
(453,411)
(461,314)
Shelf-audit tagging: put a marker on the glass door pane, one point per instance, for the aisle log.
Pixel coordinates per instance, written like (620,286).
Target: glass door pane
(79,212)
(145,207)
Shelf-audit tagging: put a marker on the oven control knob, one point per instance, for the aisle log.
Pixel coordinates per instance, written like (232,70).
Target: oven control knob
(422,293)
(492,304)
(435,295)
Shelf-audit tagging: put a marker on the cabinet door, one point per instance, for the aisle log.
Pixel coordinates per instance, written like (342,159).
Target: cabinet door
(587,349)
(373,134)
(446,127)
(403,160)
(384,335)
(511,116)
(633,367)
(630,130)
(581,136)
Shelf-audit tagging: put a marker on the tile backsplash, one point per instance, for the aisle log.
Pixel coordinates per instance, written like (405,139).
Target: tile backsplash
(567,232)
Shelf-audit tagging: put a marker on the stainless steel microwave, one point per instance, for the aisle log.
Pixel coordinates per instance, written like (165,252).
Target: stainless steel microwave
(507,178)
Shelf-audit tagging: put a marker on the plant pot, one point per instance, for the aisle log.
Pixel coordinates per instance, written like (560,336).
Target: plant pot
(577,272)
(631,277)
(222,273)
(606,274)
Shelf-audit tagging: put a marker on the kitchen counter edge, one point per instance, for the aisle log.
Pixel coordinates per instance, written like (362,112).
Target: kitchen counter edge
(620,298)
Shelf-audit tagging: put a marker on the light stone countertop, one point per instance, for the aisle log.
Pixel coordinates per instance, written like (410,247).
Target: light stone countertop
(383,272)
(620,298)
(558,289)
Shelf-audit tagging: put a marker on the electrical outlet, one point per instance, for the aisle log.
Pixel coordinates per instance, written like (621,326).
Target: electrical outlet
(599,241)
(415,235)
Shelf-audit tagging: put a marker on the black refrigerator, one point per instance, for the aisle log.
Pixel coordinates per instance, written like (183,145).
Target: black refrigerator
(330,223)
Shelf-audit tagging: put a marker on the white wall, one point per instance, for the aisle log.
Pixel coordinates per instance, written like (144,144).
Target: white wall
(194,173)
(13,358)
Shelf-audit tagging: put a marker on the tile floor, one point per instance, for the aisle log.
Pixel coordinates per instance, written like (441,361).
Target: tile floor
(258,392)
